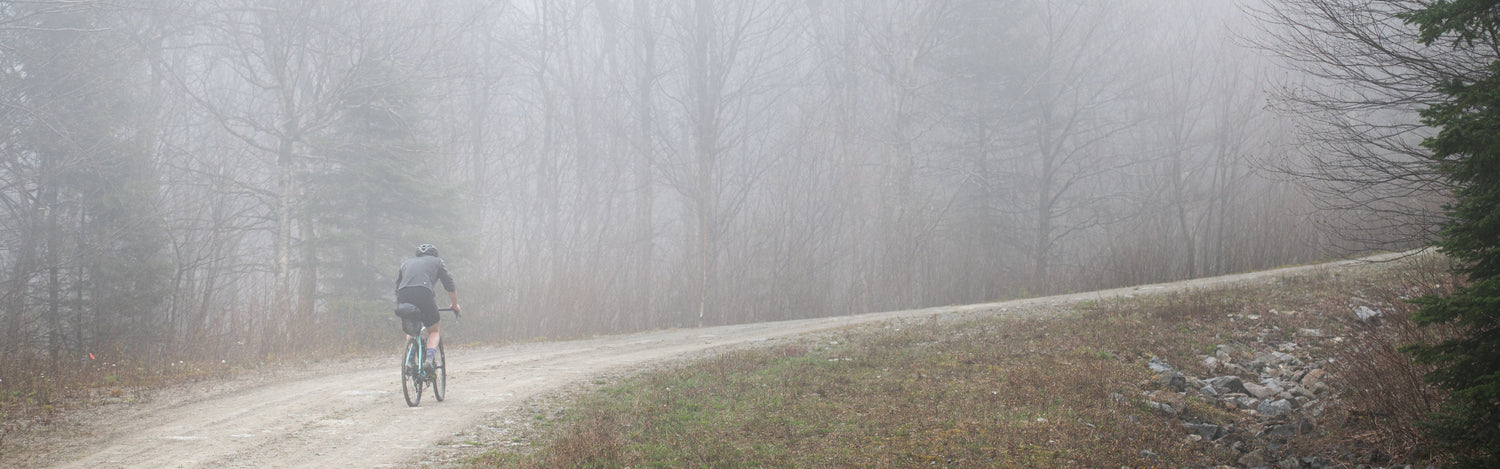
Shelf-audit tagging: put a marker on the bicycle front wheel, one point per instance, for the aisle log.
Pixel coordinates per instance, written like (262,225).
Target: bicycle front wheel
(439,374)
(411,381)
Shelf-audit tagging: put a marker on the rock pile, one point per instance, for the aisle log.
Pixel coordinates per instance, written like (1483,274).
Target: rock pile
(1252,403)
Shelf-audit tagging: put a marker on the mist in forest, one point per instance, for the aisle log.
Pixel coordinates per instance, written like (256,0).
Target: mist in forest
(232,178)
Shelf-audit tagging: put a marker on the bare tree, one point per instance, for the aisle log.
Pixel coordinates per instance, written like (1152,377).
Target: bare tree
(732,53)
(1072,83)
(612,165)
(1361,78)
(644,169)
(278,77)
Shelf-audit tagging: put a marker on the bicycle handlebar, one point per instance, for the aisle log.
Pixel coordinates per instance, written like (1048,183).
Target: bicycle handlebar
(456,314)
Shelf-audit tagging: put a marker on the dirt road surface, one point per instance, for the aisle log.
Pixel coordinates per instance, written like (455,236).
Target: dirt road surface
(351,414)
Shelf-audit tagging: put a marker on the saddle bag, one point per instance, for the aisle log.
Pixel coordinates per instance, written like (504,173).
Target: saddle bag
(409,324)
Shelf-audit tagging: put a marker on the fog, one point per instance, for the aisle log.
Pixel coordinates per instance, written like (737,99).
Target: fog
(235,178)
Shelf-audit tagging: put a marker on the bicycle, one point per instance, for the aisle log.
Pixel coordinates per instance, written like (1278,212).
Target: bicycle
(415,375)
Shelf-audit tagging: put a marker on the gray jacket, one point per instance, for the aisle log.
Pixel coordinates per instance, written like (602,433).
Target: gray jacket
(422,271)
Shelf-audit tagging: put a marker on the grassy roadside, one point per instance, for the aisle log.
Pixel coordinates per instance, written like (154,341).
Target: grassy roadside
(999,391)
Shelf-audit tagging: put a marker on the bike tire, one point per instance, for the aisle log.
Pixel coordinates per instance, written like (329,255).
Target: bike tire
(440,374)
(411,382)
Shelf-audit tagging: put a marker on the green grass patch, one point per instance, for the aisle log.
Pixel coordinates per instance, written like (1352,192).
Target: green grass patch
(992,393)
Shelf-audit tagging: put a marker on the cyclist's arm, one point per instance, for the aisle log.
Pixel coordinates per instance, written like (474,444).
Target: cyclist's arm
(445,278)
(447,281)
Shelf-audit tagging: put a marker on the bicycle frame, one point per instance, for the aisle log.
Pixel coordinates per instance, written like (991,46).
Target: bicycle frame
(415,374)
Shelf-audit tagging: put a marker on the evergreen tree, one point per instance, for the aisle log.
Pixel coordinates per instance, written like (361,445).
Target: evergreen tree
(1467,151)
(82,150)
(377,192)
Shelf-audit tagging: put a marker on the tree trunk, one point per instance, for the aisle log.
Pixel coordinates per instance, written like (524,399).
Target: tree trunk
(645,231)
(54,282)
(705,146)
(307,294)
(281,313)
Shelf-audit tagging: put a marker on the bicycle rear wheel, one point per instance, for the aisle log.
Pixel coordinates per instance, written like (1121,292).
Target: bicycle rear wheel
(439,374)
(411,382)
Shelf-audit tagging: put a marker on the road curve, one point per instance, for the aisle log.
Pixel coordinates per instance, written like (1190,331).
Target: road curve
(352,415)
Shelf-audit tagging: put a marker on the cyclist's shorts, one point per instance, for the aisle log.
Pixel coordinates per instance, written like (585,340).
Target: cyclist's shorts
(426,303)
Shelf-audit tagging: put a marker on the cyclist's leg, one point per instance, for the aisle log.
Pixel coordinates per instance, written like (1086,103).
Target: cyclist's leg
(427,313)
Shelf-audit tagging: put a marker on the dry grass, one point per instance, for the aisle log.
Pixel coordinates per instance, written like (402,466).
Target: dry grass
(941,394)
(995,391)
(1009,393)
(1384,395)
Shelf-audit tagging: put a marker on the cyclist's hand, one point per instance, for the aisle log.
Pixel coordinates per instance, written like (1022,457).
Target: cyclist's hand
(455,308)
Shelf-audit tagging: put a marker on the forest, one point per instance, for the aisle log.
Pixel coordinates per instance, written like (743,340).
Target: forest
(229,179)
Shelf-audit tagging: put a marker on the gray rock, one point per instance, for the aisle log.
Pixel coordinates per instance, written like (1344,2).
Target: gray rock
(1313,377)
(1208,432)
(1316,463)
(1274,408)
(1303,392)
(1272,359)
(1288,430)
(1290,463)
(1260,392)
(1229,384)
(1364,313)
(1164,408)
(1310,332)
(1275,385)
(1285,359)
(1158,366)
(1208,390)
(1247,402)
(1261,361)
(1172,402)
(1297,375)
(1221,352)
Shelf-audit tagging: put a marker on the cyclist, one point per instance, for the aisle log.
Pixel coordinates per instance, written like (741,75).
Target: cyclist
(414,285)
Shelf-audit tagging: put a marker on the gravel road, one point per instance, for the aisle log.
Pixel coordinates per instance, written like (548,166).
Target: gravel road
(350,413)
